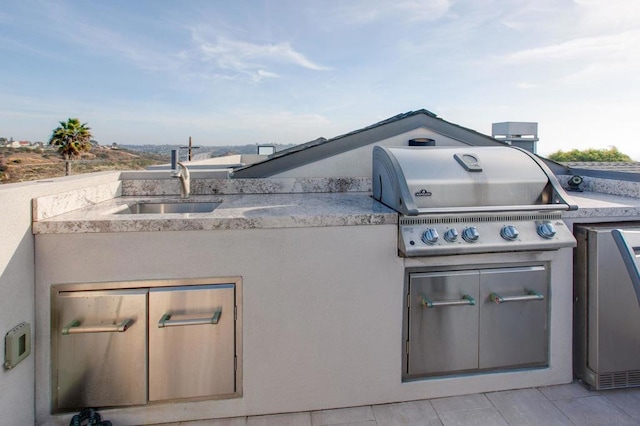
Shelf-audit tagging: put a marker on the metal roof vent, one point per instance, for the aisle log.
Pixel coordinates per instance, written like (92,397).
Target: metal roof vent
(266,149)
(422,142)
(517,133)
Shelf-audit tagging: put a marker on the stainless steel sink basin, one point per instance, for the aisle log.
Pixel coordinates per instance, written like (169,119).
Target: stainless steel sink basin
(169,207)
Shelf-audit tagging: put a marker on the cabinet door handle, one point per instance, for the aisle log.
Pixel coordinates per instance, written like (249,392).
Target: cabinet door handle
(74,327)
(531,295)
(629,255)
(166,320)
(425,302)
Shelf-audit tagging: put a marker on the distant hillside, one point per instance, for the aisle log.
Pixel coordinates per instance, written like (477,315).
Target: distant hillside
(23,164)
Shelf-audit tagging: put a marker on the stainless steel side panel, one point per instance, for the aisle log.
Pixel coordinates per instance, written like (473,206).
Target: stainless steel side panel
(514,332)
(99,368)
(606,315)
(193,353)
(613,311)
(442,338)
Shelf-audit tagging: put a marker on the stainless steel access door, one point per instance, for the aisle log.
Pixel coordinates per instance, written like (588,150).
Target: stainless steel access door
(191,341)
(477,320)
(99,340)
(607,315)
(443,322)
(514,317)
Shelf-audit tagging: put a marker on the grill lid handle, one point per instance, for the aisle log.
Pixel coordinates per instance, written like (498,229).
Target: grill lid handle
(471,163)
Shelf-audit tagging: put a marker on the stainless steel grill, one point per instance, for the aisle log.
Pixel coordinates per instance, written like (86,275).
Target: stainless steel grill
(481,232)
(471,200)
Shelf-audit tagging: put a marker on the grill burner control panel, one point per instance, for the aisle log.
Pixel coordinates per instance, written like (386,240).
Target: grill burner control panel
(423,236)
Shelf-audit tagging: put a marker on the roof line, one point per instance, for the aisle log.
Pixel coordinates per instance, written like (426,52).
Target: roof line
(321,148)
(606,174)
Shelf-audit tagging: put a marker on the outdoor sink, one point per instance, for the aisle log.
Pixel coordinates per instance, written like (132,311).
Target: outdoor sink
(169,207)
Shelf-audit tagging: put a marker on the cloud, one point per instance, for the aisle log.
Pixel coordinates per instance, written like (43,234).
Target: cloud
(538,15)
(189,55)
(255,61)
(93,37)
(8,43)
(369,11)
(586,48)
(241,55)
(599,15)
(585,60)
(598,48)
(526,85)
(266,74)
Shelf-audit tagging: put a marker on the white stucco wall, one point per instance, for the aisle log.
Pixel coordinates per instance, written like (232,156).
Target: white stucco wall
(322,314)
(17,273)
(357,162)
(304,294)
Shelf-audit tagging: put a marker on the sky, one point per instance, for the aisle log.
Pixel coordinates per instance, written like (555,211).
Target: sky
(290,71)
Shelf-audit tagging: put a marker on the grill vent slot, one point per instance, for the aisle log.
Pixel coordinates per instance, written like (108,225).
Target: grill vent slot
(620,379)
(406,220)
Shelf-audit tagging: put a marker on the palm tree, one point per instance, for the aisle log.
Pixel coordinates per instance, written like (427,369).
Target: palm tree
(71,138)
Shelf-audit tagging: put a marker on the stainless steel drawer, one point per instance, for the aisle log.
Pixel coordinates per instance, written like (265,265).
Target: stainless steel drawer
(191,341)
(99,342)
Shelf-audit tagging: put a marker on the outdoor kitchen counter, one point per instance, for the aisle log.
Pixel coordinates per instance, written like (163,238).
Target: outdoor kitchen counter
(262,211)
(600,205)
(246,211)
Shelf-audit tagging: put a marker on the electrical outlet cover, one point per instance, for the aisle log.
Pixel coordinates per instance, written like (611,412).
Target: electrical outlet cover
(17,345)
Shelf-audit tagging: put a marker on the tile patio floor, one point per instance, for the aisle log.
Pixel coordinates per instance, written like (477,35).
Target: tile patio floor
(570,404)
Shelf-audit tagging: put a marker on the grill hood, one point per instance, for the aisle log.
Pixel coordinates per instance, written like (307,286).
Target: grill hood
(423,180)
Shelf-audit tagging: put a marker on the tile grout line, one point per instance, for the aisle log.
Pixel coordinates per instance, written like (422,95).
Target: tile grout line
(375,421)
(495,408)
(553,402)
(437,414)
(620,408)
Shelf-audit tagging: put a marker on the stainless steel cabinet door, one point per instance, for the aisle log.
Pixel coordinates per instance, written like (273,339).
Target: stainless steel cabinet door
(443,322)
(514,317)
(613,314)
(99,340)
(191,341)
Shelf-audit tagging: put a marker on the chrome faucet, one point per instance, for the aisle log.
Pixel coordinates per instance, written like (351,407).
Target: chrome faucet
(185,179)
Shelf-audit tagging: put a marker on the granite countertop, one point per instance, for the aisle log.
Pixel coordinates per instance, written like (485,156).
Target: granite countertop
(606,206)
(255,204)
(244,211)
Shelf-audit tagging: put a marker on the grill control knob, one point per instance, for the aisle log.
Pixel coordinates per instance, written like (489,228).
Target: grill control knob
(546,230)
(470,234)
(451,235)
(509,232)
(430,236)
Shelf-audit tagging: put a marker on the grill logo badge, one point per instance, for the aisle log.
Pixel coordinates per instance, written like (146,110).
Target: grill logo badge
(423,193)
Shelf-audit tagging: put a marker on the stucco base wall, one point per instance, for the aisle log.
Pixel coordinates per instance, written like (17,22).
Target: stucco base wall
(322,316)
(17,278)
